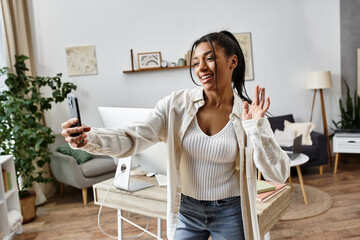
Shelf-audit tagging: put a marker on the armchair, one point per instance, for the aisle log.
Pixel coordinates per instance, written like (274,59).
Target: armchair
(317,152)
(66,170)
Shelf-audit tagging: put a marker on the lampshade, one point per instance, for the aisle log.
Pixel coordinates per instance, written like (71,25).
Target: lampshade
(319,80)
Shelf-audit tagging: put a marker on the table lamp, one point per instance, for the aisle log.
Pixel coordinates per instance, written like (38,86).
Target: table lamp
(320,80)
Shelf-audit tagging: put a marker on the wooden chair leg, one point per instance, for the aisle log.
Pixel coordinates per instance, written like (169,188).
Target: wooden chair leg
(84,195)
(321,170)
(259,175)
(61,189)
(336,162)
(302,184)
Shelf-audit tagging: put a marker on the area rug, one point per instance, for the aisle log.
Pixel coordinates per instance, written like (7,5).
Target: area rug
(319,202)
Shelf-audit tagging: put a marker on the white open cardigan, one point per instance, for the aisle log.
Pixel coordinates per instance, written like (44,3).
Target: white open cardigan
(169,121)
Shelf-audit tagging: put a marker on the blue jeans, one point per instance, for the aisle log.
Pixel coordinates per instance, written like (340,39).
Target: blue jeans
(221,219)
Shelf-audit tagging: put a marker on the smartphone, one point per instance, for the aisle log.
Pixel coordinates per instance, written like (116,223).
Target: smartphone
(74,112)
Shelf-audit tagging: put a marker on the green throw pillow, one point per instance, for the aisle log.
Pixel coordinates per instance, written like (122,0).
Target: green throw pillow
(79,155)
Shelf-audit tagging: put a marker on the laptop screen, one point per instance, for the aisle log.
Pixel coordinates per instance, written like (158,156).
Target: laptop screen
(297,146)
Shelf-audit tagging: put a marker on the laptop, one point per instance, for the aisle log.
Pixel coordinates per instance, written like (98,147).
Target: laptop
(296,148)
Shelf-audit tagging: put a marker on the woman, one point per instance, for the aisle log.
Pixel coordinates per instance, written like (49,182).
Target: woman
(212,166)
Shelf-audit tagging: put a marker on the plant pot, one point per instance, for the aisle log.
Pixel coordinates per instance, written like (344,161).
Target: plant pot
(28,209)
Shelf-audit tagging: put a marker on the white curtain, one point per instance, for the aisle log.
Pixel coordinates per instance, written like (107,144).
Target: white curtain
(17,32)
(2,48)
(17,41)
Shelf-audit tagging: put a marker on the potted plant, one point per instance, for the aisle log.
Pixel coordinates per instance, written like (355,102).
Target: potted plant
(350,113)
(23,134)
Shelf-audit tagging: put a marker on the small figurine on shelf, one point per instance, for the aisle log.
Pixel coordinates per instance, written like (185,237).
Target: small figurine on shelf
(181,62)
(164,64)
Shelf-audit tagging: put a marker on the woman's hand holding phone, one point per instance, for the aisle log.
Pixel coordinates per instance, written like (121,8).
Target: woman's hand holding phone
(75,141)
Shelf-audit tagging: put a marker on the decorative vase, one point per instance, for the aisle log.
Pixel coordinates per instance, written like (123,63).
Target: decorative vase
(28,209)
(181,62)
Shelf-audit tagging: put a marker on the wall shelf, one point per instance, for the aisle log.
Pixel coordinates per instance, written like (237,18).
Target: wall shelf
(155,69)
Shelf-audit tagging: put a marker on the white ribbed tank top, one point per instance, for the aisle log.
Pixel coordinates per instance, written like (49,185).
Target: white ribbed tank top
(208,164)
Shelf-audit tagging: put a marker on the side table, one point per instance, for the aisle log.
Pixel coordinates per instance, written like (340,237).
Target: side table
(297,162)
(345,143)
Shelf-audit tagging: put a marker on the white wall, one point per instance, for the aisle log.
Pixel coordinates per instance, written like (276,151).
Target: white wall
(290,38)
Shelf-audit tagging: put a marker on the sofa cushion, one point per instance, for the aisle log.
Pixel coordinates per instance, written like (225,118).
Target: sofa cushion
(278,122)
(303,129)
(79,155)
(284,138)
(98,166)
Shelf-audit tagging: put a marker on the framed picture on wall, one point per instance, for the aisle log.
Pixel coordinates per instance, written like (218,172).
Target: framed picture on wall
(149,60)
(244,40)
(81,60)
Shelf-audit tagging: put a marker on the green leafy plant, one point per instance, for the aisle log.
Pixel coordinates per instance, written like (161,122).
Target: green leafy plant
(350,114)
(22,132)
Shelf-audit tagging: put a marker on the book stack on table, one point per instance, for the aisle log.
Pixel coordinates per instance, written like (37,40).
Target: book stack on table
(267,189)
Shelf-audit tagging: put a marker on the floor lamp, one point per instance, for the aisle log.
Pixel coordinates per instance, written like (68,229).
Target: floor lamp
(318,81)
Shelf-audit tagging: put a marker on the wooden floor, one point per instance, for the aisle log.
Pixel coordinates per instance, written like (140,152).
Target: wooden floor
(64,217)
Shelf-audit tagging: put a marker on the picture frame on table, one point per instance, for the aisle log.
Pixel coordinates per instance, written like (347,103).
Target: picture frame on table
(149,60)
(244,40)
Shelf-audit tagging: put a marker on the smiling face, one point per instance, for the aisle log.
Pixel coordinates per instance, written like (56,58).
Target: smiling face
(204,64)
